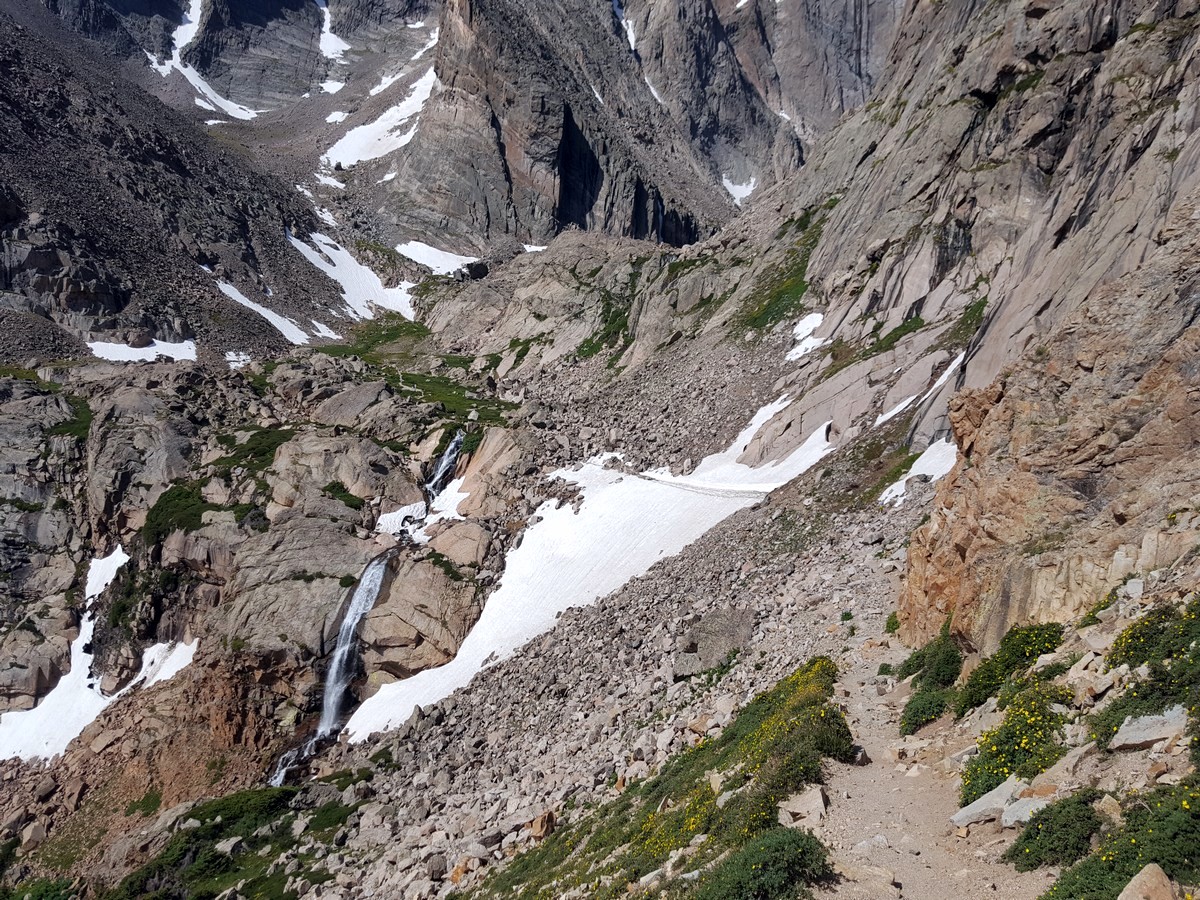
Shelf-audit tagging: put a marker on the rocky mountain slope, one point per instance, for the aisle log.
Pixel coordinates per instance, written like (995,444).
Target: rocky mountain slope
(634,521)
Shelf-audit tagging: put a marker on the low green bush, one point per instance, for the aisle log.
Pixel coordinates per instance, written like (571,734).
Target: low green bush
(179,508)
(341,493)
(779,863)
(936,667)
(1058,834)
(1162,826)
(1024,744)
(922,708)
(893,623)
(1018,650)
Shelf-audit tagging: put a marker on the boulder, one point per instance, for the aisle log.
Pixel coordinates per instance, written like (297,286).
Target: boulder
(807,808)
(991,805)
(1021,811)
(1151,883)
(713,639)
(1146,731)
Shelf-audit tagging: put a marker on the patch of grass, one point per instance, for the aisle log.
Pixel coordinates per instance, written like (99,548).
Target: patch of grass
(257,451)
(78,425)
(341,493)
(330,815)
(40,889)
(886,669)
(780,295)
(968,323)
(1162,826)
(613,328)
(179,508)
(1059,834)
(148,805)
(1024,744)
(456,399)
(1019,649)
(343,778)
(1093,614)
(446,565)
(189,865)
(371,340)
(892,625)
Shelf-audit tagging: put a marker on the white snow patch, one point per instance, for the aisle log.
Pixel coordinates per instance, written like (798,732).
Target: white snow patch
(237,359)
(323,330)
(936,462)
(442,262)
(325,216)
(286,327)
(420,24)
(45,731)
(305,191)
(332,46)
(163,69)
(741,3)
(184,34)
(619,12)
(204,104)
(443,508)
(597,93)
(331,87)
(383,136)
(534,248)
(393,522)
(945,376)
(386,178)
(162,662)
(657,95)
(183,350)
(329,181)
(337,116)
(430,44)
(361,288)
(216,121)
(802,334)
(784,116)
(895,410)
(625,524)
(738,192)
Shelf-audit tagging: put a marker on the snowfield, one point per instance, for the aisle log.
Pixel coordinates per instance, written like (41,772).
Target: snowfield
(362,289)
(626,524)
(738,192)
(183,35)
(802,334)
(388,133)
(936,462)
(441,262)
(286,327)
(45,731)
(184,350)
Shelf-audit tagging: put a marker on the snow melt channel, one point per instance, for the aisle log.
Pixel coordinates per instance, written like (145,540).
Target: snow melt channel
(45,731)
(625,524)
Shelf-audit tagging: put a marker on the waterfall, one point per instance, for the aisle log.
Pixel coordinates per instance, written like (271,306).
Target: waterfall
(445,466)
(341,670)
(337,679)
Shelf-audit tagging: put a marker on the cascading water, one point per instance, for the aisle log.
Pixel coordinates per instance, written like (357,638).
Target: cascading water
(337,679)
(445,466)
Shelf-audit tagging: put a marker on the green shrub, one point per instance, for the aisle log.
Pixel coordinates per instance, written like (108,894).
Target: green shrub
(341,493)
(80,422)
(1024,744)
(922,708)
(1162,826)
(886,669)
(1162,633)
(1018,650)
(1058,834)
(179,508)
(893,623)
(936,667)
(258,450)
(777,864)
(330,815)
(148,805)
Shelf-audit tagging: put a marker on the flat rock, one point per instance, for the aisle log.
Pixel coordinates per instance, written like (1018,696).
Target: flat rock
(1021,811)
(1146,731)
(991,805)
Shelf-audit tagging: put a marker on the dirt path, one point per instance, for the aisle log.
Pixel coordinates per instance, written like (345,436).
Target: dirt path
(889,821)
